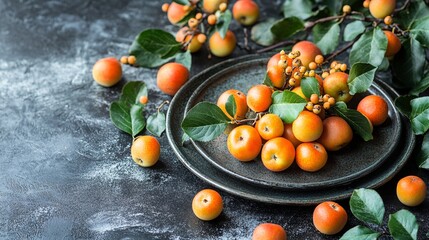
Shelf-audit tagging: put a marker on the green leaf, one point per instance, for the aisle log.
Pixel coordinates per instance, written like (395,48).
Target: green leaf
(145,58)
(310,85)
(127,112)
(403,104)
(185,138)
(420,31)
(287,27)
(370,48)
(353,29)
(358,122)
(182,2)
(416,10)
(267,80)
(408,64)
(420,115)
(204,122)
(223,22)
(185,58)
(367,206)
(302,9)
(261,33)
(231,106)
(128,118)
(133,91)
(158,42)
(327,37)
(423,153)
(360,77)
(403,225)
(156,123)
(287,105)
(421,86)
(360,233)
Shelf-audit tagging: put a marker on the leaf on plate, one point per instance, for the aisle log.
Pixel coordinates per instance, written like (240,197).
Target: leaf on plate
(204,122)
(310,85)
(358,122)
(287,105)
(231,106)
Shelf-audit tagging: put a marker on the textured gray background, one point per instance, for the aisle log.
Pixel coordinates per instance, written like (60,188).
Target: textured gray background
(65,170)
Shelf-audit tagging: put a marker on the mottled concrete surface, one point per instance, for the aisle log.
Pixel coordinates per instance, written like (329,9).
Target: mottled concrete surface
(66,171)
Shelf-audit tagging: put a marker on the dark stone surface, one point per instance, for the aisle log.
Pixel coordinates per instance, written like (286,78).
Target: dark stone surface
(66,171)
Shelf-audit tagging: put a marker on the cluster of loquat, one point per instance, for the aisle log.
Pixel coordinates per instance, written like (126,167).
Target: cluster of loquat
(315,131)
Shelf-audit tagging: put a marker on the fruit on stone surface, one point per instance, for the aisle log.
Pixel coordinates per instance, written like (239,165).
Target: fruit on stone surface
(211,6)
(278,154)
(329,217)
(259,98)
(411,190)
(336,86)
(308,52)
(222,47)
(311,156)
(269,231)
(240,102)
(145,150)
(107,71)
(393,44)
(176,12)
(245,12)
(337,133)
(171,77)
(207,204)
(381,8)
(307,127)
(244,143)
(270,126)
(184,35)
(375,108)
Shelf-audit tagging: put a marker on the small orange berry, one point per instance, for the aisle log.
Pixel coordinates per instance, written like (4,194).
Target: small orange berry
(201,38)
(319,59)
(366,3)
(211,19)
(347,9)
(132,60)
(165,7)
(124,60)
(314,98)
(388,20)
(143,99)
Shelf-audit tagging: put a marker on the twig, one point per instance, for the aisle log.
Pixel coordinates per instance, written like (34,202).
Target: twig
(162,104)
(279,44)
(322,20)
(403,6)
(339,51)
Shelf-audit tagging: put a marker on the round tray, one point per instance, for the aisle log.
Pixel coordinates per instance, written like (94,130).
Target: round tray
(197,164)
(358,159)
